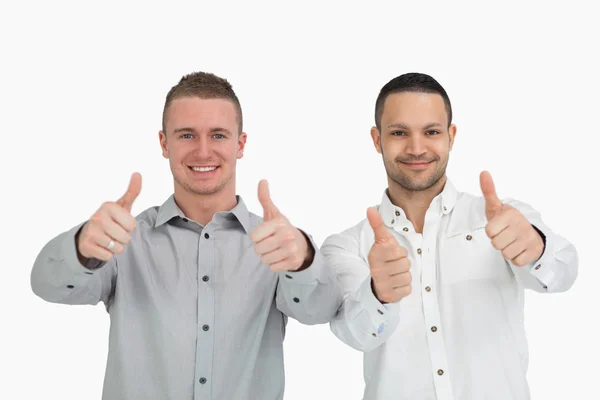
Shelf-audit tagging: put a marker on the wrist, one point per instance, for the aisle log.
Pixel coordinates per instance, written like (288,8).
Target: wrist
(310,252)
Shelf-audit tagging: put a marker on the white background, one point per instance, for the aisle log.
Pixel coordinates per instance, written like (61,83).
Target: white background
(82,89)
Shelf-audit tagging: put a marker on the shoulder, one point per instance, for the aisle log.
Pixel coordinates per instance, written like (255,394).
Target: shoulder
(351,237)
(147,218)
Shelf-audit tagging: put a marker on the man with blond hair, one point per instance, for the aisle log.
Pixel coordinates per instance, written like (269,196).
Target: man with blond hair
(199,289)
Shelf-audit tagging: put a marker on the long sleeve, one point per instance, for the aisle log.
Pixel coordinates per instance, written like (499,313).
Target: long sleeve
(57,275)
(363,322)
(557,268)
(311,296)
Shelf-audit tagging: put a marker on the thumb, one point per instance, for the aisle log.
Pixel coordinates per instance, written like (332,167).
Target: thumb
(269,209)
(133,191)
(376,222)
(492,203)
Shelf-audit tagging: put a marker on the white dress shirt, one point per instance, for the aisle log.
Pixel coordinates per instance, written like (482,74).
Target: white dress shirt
(459,335)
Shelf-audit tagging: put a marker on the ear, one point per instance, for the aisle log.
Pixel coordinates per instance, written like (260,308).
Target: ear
(452,135)
(376,136)
(241,144)
(162,137)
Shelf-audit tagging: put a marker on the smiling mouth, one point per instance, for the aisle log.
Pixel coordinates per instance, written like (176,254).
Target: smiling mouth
(417,165)
(203,169)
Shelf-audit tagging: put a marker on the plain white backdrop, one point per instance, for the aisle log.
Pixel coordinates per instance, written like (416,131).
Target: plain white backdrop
(82,87)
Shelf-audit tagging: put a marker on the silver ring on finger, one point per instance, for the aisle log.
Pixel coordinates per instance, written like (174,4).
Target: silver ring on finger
(110,245)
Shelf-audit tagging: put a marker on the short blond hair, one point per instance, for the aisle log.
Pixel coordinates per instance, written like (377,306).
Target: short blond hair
(204,85)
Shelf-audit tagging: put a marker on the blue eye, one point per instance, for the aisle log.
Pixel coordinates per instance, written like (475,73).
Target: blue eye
(187,136)
(219,136)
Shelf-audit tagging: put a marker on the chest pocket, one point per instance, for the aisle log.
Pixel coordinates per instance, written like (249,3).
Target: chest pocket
(470,256)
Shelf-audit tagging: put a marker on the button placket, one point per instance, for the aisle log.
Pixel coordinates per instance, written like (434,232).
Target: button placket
(436,346)
(206,307)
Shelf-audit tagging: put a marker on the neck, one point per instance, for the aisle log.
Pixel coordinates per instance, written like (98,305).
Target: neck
(202,208)
(414,203)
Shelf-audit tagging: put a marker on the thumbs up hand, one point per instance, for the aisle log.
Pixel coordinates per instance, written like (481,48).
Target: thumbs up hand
(388,263)
(279,244)
(109,229)
(510,231)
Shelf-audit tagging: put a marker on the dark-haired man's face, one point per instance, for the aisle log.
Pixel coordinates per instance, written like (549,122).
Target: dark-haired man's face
(415,140)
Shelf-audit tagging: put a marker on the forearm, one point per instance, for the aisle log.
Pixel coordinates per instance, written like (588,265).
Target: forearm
(311,295)
(58,276)
(363,322)
(557,268)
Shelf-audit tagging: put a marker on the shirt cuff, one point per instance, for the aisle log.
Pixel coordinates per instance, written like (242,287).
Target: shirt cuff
(380,313)
(313,274)
(68,254)
(544,269)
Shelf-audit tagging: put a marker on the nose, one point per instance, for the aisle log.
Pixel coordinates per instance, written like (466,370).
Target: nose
(201,148)
(416,145)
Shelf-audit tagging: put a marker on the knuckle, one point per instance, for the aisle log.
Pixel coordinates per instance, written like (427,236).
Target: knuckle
(402,252)
(290,235)
(495,243)
(96,218)
(405,263)
(488,230)
(294,249)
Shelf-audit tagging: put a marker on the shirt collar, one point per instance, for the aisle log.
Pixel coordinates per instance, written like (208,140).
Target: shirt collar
(442,203)
(169,210)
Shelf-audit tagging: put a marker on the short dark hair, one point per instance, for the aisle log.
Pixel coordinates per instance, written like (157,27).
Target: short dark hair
(411,82)
(204,85)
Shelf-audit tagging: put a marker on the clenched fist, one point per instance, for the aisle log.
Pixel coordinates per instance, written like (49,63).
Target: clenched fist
(388,263)
(510,231)
(109,229)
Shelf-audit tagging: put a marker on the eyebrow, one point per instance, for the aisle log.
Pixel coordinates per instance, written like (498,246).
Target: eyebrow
(192,130)
(399,125)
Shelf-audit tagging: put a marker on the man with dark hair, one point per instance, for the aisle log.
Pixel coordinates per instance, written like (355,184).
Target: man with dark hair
(199,289)
(434,278)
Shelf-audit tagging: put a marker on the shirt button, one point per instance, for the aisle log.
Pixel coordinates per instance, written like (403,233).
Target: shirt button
(440,372)
(418,251)
(205,278)
(205,328)
(380,312)
(445,208)
(296,300)
(433,329)
(70,286)
(538,266)
(202,380)
(405,229)
(427,289)
(287,276)
(397,213)
(393,221)
(185,220)
(206,236)
(469,237)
